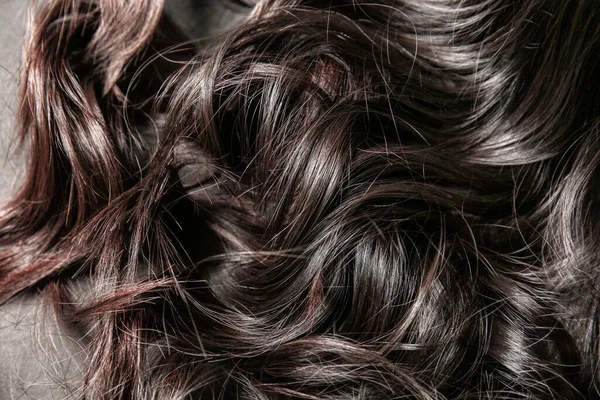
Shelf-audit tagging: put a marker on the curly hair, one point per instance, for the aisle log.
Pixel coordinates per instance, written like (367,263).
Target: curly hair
(350,199)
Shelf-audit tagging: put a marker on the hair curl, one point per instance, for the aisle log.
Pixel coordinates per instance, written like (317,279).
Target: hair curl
(351,199)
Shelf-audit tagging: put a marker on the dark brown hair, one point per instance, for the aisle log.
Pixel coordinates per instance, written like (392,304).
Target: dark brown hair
(351,199)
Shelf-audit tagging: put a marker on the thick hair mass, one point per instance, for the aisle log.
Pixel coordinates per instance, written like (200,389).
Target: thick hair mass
(334,200)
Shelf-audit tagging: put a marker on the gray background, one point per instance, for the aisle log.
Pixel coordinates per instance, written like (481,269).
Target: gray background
(12,21)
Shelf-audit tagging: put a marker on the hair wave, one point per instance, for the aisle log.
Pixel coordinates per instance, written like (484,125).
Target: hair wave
(350,199)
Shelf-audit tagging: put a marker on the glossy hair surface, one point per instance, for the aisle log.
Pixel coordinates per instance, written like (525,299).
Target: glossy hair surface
(351,199)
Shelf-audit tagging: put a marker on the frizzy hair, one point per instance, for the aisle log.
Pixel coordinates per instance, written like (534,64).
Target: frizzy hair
(351,199)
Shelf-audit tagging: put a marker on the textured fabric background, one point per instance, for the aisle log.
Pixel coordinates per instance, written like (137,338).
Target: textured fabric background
(12,19)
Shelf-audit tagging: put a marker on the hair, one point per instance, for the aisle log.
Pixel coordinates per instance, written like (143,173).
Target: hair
(343,199)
